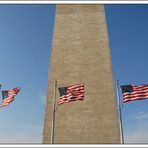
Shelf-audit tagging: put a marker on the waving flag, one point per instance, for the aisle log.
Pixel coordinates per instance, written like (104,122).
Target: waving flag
(134,92)
(8,96)
(71,93)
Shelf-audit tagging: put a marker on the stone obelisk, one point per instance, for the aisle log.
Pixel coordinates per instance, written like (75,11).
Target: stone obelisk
(80,54)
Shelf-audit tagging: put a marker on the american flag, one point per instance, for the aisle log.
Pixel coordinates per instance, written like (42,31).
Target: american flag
(8,96)
(134,92)
(71,93)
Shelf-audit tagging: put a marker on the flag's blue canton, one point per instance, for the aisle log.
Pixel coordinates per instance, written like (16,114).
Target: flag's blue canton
(4,94)
(63,91)
(127,88)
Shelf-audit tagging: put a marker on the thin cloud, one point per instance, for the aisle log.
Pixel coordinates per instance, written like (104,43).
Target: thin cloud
(140,115)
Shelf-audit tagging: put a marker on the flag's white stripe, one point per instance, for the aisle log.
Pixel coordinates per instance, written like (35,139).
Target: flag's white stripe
(7,101)
(144,89)
(78,89)
(71,95)
(75,86)
(69,100)
(140,87)
(135,98)
(135,92)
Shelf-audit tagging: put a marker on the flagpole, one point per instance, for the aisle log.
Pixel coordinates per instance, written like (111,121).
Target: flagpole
(53,113)
(0,91)
(119,113)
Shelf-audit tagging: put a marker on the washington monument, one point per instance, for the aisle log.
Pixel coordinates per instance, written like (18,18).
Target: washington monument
(80,54)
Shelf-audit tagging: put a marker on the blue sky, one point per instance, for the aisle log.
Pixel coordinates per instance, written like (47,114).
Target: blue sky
(25,43)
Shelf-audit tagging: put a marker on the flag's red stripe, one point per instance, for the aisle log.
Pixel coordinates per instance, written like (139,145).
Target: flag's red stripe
(75,86)
(133,99)
(69,100)
(70,96)
(8,100)
(136,93)
(140,87)
(138,96)
(144,89)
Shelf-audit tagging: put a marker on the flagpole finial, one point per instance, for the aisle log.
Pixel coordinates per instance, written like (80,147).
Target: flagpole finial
(55,83)
(117,82)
